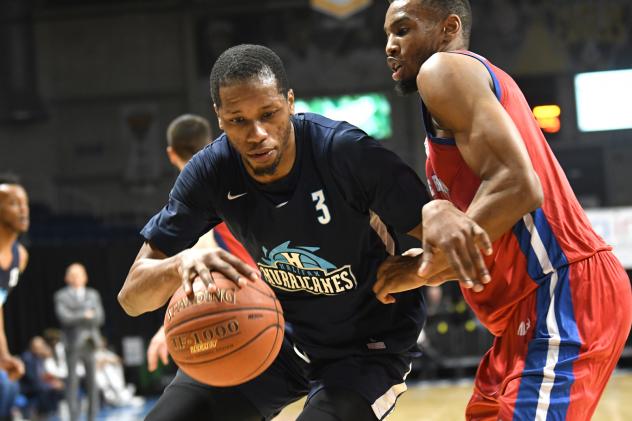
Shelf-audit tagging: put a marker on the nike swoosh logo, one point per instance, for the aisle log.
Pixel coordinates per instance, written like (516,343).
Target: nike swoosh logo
(280,205)
(236,196)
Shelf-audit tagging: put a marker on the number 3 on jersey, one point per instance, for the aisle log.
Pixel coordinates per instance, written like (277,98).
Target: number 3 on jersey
(319,198)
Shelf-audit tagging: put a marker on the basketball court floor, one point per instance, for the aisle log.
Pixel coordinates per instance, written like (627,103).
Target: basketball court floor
(431,401)
(446,402)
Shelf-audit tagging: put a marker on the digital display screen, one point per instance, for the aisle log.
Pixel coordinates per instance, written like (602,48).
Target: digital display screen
(371,111)
(604,100)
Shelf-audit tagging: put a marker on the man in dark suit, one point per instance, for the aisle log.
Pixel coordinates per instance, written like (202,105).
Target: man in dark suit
(80,313)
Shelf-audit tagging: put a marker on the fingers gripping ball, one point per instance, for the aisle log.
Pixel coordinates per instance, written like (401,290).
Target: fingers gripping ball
(226,337)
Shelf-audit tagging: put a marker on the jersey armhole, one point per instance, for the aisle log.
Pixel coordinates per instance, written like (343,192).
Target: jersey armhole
(498,91)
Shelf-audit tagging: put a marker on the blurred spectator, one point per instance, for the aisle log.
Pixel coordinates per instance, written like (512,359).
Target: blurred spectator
(55,365)
(9,390)
(110,379)
(80,312)
(43,390)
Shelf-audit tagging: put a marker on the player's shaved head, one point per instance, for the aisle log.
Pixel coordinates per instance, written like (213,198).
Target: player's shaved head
(14,204)
(444,8)
(244,63)
(10,178)
(461,8)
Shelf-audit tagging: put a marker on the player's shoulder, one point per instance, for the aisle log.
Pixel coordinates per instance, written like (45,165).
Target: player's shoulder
(331,133)
(23,255)
(441,67)
(214,152)
(447,75)
(214,159)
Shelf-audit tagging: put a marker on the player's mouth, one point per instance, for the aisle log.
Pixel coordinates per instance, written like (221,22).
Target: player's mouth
(396,67)
(261,155)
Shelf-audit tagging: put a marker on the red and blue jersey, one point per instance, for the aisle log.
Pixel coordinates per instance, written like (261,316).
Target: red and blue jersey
(226,240)
(551,237)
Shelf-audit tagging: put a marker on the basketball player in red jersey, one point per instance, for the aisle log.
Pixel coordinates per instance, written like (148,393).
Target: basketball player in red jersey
(186,135)
(14,220)
(558,301)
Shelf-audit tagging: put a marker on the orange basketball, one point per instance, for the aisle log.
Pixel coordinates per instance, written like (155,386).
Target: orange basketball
(226,337)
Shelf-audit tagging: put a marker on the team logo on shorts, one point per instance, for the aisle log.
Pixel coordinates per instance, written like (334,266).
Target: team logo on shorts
(296,269)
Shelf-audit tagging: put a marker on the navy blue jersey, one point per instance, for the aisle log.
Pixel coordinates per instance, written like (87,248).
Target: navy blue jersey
(9,277)
(318,235)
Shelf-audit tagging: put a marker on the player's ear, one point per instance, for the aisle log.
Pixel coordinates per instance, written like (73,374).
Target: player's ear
(290,100)
(451,27)
(219,120)
(173,157)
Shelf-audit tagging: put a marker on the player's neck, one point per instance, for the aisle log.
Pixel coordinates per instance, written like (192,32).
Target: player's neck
(7,238)
(454,45)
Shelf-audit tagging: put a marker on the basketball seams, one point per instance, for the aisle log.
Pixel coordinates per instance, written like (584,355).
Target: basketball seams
(274,350)
(186,363)
(239,309)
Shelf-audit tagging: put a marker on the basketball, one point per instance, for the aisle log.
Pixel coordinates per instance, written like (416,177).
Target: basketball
(226,337)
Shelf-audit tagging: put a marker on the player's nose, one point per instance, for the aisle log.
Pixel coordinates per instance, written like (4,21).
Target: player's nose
(391,48)
(259,132)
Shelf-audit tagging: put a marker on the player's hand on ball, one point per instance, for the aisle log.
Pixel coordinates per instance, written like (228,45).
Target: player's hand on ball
(157,349)
(198,263)
(13,366)
(451,235)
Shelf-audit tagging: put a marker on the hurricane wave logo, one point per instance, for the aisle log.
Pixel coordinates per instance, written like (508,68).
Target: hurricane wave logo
(298,268)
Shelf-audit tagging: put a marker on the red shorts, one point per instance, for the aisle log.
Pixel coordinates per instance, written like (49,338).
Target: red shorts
(560,347)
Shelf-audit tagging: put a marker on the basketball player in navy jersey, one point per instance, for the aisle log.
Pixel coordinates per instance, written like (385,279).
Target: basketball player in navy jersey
(187,135)
(307,197)
(14,220)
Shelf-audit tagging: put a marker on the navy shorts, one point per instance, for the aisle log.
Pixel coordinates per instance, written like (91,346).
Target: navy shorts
(379,379)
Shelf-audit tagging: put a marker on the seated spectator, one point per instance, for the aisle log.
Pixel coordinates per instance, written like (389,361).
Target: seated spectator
(42,389)
(111,380)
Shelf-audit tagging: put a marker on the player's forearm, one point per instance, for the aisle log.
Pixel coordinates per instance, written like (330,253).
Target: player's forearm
(149,284)
(504,199)
(4,347)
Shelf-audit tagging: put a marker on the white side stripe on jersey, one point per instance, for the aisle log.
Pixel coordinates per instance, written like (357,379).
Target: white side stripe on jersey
(552,355)
(380,228)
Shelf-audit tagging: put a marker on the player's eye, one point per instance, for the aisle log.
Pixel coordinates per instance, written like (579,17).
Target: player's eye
(268,115)
(237,120)
(402,31)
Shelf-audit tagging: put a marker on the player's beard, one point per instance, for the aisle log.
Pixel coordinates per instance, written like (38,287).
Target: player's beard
(283,145)
(406,86)
(270,169)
